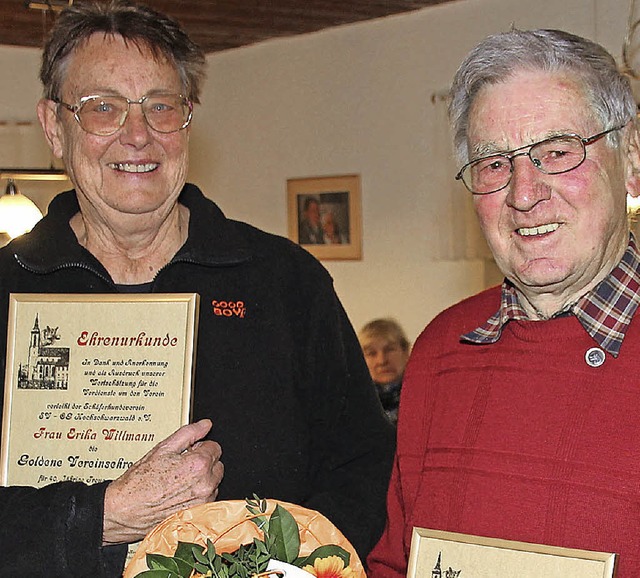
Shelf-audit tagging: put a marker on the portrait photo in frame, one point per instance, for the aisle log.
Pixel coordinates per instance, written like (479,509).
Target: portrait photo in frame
(324,216)
(453,555)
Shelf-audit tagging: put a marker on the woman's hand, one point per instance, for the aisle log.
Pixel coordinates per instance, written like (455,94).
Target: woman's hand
(181,471)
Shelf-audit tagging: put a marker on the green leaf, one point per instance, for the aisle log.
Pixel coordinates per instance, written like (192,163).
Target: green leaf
(200,556)
(211,551)
(218,568)
(283,529)
(261,547)
(184,551)
(174,565)
(157,574)
(160,562)
(324,552)
(262,523)
(256,507)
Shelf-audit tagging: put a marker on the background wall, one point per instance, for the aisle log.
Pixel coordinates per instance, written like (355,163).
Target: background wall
(356,99)
(21,141)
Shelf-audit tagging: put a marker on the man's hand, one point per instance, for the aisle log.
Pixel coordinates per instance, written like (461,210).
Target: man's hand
(179,472)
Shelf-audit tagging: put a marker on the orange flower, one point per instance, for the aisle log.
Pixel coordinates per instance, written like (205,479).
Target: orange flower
(330,567)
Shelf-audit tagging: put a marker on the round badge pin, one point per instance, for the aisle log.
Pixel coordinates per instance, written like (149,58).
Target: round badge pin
(594,357)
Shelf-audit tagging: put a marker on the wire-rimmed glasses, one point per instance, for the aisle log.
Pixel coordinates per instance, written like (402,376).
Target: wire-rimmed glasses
(551,156)
(104,115)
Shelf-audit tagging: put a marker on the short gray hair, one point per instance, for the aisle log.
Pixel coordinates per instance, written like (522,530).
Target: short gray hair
(136,23)
(500,56)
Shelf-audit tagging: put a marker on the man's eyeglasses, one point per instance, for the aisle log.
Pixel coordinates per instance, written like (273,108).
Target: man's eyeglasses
(105,115)
(552,156)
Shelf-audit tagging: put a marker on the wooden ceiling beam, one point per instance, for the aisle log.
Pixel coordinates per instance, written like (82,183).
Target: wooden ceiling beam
(221,24)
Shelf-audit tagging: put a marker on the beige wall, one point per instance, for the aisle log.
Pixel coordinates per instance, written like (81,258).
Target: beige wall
(355,99)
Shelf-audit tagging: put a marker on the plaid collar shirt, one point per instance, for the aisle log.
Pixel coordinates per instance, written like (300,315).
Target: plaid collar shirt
(604,312)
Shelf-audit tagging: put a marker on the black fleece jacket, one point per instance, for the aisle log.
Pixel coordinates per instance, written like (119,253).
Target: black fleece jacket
(283,380)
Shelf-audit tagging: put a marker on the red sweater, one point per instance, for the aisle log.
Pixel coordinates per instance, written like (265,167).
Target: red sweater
(520,439)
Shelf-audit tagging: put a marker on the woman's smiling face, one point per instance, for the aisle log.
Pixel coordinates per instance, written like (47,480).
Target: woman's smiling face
(136,171)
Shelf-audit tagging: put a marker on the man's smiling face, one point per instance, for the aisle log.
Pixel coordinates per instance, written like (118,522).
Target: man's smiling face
(549,234)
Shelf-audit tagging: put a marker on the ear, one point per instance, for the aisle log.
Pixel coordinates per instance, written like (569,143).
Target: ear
(48,117)
(632,171)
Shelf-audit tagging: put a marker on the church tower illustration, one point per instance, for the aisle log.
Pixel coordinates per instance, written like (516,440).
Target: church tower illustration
(437,570)
(34,349)
(47,366)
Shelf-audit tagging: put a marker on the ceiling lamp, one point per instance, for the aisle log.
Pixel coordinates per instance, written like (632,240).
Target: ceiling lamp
(18,214)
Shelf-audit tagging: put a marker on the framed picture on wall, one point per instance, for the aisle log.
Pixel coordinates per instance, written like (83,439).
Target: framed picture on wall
(324,215)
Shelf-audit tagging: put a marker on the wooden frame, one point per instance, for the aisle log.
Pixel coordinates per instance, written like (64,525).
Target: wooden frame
(449,555)
(324,215)
(93,382)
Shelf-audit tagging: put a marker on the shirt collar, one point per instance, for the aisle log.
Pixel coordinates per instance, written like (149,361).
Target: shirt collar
(213,239)
(604,312)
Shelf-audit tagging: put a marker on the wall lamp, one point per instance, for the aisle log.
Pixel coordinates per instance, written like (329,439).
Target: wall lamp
(18,213)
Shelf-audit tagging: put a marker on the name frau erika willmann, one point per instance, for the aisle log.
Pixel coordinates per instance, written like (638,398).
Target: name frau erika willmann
(95,339)
(106,434)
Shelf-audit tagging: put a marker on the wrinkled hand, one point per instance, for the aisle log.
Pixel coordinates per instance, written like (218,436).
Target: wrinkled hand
(180,472)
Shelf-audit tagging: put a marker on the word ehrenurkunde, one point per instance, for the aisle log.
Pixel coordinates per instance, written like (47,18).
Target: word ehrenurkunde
(94,339)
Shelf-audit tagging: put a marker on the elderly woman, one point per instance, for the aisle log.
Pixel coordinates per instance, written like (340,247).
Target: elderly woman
(386,350)
(283,380)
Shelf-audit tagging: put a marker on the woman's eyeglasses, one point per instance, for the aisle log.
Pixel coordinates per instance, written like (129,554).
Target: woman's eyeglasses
(105,115)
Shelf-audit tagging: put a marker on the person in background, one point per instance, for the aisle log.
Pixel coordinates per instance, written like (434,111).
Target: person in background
(331,230)
(519,408)
(386,350)
(280,383)
(310,230)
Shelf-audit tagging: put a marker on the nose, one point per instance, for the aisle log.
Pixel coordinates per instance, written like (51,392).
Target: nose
(135,130)
(381,358)
(527,187)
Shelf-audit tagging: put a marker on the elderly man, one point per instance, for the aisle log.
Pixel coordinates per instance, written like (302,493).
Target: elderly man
(282,388)
(519,409)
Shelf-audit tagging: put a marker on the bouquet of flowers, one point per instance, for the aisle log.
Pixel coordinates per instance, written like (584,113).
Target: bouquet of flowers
(245,539)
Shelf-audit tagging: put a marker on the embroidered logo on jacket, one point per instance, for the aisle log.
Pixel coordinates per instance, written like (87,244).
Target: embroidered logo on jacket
(229,308)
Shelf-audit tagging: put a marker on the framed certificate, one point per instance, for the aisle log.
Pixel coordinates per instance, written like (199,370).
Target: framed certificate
(449,555)
(93,382)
